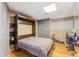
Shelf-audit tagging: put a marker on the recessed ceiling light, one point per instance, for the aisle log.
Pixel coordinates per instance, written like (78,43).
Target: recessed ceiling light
(50,8)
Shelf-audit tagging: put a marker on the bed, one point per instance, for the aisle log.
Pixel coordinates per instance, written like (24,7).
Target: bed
(36,45)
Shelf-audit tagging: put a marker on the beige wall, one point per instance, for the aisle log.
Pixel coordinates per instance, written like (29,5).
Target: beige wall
(77,25)
(61,26)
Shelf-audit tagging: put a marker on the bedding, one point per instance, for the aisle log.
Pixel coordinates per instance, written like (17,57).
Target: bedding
(36,45)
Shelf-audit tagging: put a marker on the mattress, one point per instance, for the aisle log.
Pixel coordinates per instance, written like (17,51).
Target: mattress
(36,45)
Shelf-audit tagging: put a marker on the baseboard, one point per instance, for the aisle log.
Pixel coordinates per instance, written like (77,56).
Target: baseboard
(77,44)
(59,41)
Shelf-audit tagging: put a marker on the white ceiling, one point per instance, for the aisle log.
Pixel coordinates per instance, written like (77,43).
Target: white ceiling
(35,9)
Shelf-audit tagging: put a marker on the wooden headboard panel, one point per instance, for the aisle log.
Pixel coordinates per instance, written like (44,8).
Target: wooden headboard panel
(24,36)
(25,20)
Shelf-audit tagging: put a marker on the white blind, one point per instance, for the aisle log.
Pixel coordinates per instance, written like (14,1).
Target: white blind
(24,29)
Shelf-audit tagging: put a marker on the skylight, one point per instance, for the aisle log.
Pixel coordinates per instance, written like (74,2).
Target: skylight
(50,8)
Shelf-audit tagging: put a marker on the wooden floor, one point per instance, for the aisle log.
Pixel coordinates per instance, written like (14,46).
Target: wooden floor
(59,51)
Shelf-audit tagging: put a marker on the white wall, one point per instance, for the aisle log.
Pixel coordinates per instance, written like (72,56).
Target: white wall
(4,34)
(36,29)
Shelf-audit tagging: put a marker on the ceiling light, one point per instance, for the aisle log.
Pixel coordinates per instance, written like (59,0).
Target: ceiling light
(50,8)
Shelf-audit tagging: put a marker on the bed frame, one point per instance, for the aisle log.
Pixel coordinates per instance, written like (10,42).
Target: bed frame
(24,36)
(31,55)
(28,19)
